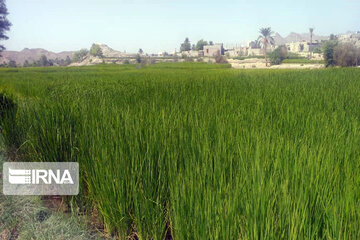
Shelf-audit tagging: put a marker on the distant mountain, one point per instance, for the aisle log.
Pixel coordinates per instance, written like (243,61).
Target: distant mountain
(297,37)
(31,55)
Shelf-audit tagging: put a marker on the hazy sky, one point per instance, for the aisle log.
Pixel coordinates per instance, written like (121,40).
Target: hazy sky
(156,25)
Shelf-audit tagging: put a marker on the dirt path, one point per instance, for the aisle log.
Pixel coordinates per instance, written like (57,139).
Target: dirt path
(254,63)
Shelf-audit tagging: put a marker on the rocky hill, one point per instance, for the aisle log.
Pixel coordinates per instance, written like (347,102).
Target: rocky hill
(111,53)
(296,37)
(31,55)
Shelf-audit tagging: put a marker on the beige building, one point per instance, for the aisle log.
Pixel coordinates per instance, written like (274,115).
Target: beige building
(213,50)
(298,47)
(353,38)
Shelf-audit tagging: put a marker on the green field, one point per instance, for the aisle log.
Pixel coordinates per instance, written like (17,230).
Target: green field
(195,150)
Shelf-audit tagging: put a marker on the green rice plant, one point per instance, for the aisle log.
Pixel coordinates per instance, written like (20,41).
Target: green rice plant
(200,151)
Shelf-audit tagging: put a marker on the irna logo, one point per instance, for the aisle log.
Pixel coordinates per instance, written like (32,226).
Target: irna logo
(39,176)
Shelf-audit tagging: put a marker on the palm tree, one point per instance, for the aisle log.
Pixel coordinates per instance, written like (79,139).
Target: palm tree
(266,38)
(311,35)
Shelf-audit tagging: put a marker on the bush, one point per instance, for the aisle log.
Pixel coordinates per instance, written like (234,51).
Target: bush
(291,55)
(126,61)
(328,50)
(220,59)
(317,50)
(278,55)
(346,55)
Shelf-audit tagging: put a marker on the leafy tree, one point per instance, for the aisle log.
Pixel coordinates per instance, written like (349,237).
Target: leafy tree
(80,55)
(67,60)
(266,38)
(200,45)
(141,52)
(186,45)
(43,61)
(346,55)
(333,37)
(138,58)
(328,50)
(4,23)
(26,64)
(96,51)
(211,43)
(278,55)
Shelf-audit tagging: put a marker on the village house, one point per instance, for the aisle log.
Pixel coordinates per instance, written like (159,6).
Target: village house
(303,46)
(213,50)
(353,38)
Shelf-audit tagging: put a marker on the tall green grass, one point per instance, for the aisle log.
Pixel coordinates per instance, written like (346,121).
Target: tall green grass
(200,151)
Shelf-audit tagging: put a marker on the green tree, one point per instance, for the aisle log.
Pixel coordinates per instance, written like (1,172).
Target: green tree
(138,58)
(96,51)
(26,64)
(43,61)
(200,45)
(141,52)
(266,38)
(67,60)
(328,51)
(4,23)
(346,55)
(278,55)
(211,43)
(186,45)
(78,56)
(333,37)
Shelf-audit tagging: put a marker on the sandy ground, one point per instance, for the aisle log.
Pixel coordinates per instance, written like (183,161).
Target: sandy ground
(254,63)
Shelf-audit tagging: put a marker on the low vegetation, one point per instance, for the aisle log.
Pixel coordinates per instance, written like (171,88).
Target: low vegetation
(197,150)
(303,61)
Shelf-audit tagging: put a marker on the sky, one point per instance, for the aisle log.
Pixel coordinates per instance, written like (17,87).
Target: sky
(161,25)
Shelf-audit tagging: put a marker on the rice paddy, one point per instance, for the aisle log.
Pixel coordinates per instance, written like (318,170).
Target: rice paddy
(196,150)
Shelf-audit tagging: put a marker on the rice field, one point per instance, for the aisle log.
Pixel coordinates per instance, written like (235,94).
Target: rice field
(195,150)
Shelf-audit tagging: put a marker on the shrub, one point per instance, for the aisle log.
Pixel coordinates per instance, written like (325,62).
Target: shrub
(317,50)
(278,55)
(126,61)
(291,55)
(220,59)
(346,55)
